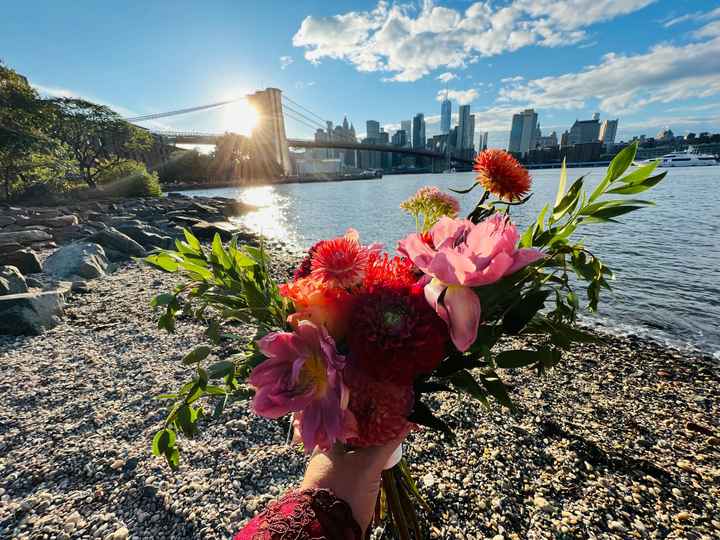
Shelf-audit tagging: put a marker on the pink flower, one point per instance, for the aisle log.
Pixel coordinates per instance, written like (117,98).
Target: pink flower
(303,373)
(463,255)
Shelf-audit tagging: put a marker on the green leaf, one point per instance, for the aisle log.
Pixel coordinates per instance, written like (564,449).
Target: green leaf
(497,389)
(521,313)
(464,191)
(631,189)
(163,261)
(163,299)
(465,382)
(561,185)
(591,208)
(192,241)
(522,358)
(219,252)
(221,369)
(606,214)
(167,396)
(196,355)
(422,415)
(163,441)
(455,362)
(641,173)
(173,458)
(202,379)
(569,201)
(617,167)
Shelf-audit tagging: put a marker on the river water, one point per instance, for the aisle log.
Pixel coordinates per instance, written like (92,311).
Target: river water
(666,258)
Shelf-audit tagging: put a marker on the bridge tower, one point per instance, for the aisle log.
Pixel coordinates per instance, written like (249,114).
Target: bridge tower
(270,129)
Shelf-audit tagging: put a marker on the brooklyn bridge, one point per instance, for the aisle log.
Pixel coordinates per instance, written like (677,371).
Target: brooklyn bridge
(273,109)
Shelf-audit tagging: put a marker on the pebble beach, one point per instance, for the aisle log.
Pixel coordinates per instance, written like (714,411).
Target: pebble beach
(622,440)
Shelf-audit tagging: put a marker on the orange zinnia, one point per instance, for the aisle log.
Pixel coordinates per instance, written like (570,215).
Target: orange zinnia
(502,175)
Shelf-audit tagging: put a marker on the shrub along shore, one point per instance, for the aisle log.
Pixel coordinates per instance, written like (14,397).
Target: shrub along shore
(622,440)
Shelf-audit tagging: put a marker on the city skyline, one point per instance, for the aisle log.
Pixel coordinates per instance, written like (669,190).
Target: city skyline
(565,61)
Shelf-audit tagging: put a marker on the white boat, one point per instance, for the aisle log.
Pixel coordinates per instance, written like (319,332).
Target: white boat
(688,159)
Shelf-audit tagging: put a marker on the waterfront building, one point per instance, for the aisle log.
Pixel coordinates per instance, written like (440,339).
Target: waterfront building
(418,131)
(546,141)
(406,126)
(483,141)
(464,128)
(608,131)
(523,132)
(373,129)
(665,135)
(399,138)
(445,115)
(585,131)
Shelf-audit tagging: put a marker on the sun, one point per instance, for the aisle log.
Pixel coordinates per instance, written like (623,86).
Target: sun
(240,117)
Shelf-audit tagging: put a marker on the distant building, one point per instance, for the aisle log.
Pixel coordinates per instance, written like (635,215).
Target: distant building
(399,138)
(523,131)
(471,134)
(666,135)
(372,129)
(585,131)
(547,141)
(406,126)
(418,131)
(483,141)
(464,127)
(608,131)
(445,115)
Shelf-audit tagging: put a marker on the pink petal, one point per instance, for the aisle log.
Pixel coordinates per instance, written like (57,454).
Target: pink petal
(523,257)
(495,270)
(447,228)
(433,290)
(463,308)
(417,251)
(450,267)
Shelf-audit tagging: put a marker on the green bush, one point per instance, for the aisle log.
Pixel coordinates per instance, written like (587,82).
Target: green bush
(140,184)
(185,166)
(124,169)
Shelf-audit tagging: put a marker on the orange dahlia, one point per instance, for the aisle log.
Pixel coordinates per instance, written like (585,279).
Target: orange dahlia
(502,175)
(320,303)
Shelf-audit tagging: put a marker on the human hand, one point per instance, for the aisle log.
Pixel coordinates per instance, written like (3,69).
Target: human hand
(354,476)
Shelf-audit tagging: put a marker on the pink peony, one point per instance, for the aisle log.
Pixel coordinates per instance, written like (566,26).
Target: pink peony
(303,372)
(463,255)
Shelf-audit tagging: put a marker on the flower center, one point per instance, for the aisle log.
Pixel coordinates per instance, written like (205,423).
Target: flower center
(313,373)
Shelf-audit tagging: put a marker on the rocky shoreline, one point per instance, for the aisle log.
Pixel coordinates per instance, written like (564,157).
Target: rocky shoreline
(621,441)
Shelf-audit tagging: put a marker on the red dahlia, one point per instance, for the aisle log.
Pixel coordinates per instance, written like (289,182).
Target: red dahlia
(502,175)
(384,271)
(380,408)
(306,265)
(341,261)
(395,334)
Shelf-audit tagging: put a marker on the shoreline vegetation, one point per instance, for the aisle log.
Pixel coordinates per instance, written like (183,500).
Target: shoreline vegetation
(622,442)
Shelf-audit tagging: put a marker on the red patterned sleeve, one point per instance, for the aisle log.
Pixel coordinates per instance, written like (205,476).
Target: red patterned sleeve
(312,513)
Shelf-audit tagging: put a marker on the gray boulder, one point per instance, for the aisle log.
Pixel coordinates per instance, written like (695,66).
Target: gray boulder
(82,259)
(147,237)
(25,260)
(6,220)
(12,281)
(27,236)
(54,221)
(113,239)
(30,313)
(206,231)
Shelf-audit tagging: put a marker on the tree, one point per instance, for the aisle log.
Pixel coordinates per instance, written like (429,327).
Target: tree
(241,158)
(96,135)
(23,122)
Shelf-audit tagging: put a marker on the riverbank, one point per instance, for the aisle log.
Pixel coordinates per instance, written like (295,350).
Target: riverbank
(193,186)
(621,441)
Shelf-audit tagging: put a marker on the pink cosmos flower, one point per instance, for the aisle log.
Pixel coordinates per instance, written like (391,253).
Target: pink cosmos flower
(461,255)
(303,373)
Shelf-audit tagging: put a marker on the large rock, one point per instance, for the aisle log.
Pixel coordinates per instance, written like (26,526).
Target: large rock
(54,221)
(6,220)
(147,237)
(11,281)
(82,259)
(30,313)
(25,260)
(113,239)
(206,231)
(24,237)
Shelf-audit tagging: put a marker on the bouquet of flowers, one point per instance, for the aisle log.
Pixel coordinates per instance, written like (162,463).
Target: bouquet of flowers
(349,347)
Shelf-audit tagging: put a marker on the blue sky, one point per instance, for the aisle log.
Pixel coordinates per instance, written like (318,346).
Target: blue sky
(652,63)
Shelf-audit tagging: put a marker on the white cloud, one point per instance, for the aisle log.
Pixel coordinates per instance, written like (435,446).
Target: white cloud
(515,79)
(302,84)
(695,16)
(622,83)
(410,42)
(463,97)
(285,61)
(446,77)
(709,30)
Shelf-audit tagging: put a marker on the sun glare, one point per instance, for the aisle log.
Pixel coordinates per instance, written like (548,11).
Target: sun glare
(240,117)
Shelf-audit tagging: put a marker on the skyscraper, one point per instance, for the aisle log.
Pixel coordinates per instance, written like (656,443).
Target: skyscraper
(523,131)
(406,126)
(445,115)
(482,142)
(418,131)
(464,128)
(471,134)
(585,131)
(373,129)
(608,131)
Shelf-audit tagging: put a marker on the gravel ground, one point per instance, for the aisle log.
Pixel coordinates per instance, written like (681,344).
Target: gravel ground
(620,442)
